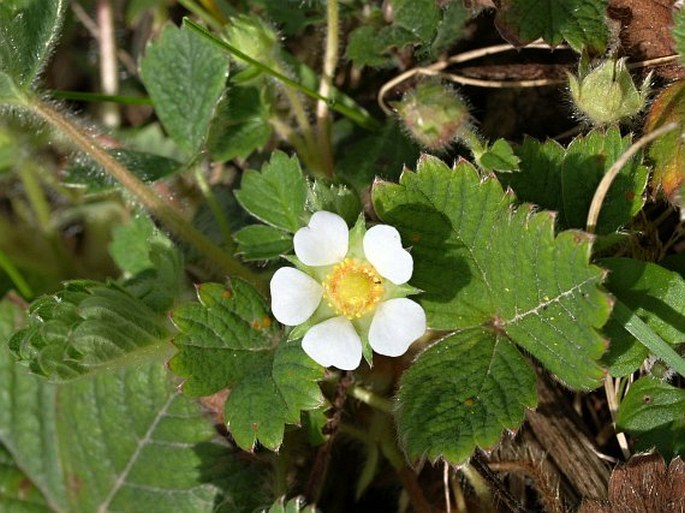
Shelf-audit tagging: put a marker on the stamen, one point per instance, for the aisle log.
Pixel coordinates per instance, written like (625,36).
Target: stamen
(353,288)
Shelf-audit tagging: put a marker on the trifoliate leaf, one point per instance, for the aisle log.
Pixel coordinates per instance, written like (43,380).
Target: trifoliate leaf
(277,194)
(580,22)
(125,440)
(652,411)
(486,267)
(261,242)
(656,295)
(241,125)
(185,76)
(28,33)
(86,174)
(461,393)
(499,157)
(229,340)
(86,327)
(152,265)
(566,180)
(482,263)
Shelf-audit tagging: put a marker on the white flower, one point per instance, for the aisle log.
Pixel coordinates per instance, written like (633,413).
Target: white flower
(347,294)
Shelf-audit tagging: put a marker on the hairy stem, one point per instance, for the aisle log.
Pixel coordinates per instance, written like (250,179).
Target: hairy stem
(330,62)
(172,219)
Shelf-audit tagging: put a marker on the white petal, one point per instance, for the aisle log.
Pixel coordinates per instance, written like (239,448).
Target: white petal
(324,241)
(334,342)
(294,296)
(383,248)
(396,324)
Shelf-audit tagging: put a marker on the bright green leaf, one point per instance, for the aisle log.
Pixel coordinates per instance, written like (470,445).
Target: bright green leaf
(86,327)
(241,125)
(185,76)
(277,194)
(461,393)
(580,22)
(152,265)
(228,340)
(28,33)
(261,242)
(566,180)
(499,157)
(481,263)
(88,175)
(656,295)
(652,411)
(337,198)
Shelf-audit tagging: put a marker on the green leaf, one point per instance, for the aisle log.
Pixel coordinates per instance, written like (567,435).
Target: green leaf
(652,411)
(277,194)
(185,76)
(461,392)
(499,157)
(17,493)
(656,295)
(152,265)
(481,263)
(380,154)
(370,45)
(324,195)
(260,242)
(28,32)
(580,22)
(87,174)
(123,440)
(228,340)
(566,180)
(420,17)
(8,90)
(86,327)
(451,26)
(241,125)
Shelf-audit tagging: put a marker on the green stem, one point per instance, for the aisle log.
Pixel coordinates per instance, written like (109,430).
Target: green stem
(201,13)
(147,197)
(359,117)
(373,400)
(330,62)
(15,276)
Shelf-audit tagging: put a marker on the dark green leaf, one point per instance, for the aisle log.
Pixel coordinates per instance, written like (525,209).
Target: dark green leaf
(566,181)
(371,45)
(185,76)
(461,393)
(241,125)
(420,17)
(28,33)
(296,505)
(580,22)
(260,242)
(481,263)
(89,175)
(229,340)
(652,411)
(86,327)
(451,27)
(656,295)
(277,194)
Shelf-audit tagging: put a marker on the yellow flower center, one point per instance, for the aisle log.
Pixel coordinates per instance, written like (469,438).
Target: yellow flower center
(353,288)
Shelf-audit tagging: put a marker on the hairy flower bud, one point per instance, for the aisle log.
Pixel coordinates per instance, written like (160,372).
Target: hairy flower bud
(434,115)
(608,94)
(254,37)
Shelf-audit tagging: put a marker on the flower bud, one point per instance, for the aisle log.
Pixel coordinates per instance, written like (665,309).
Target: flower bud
(254,37)
(608,94)
(434,115)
